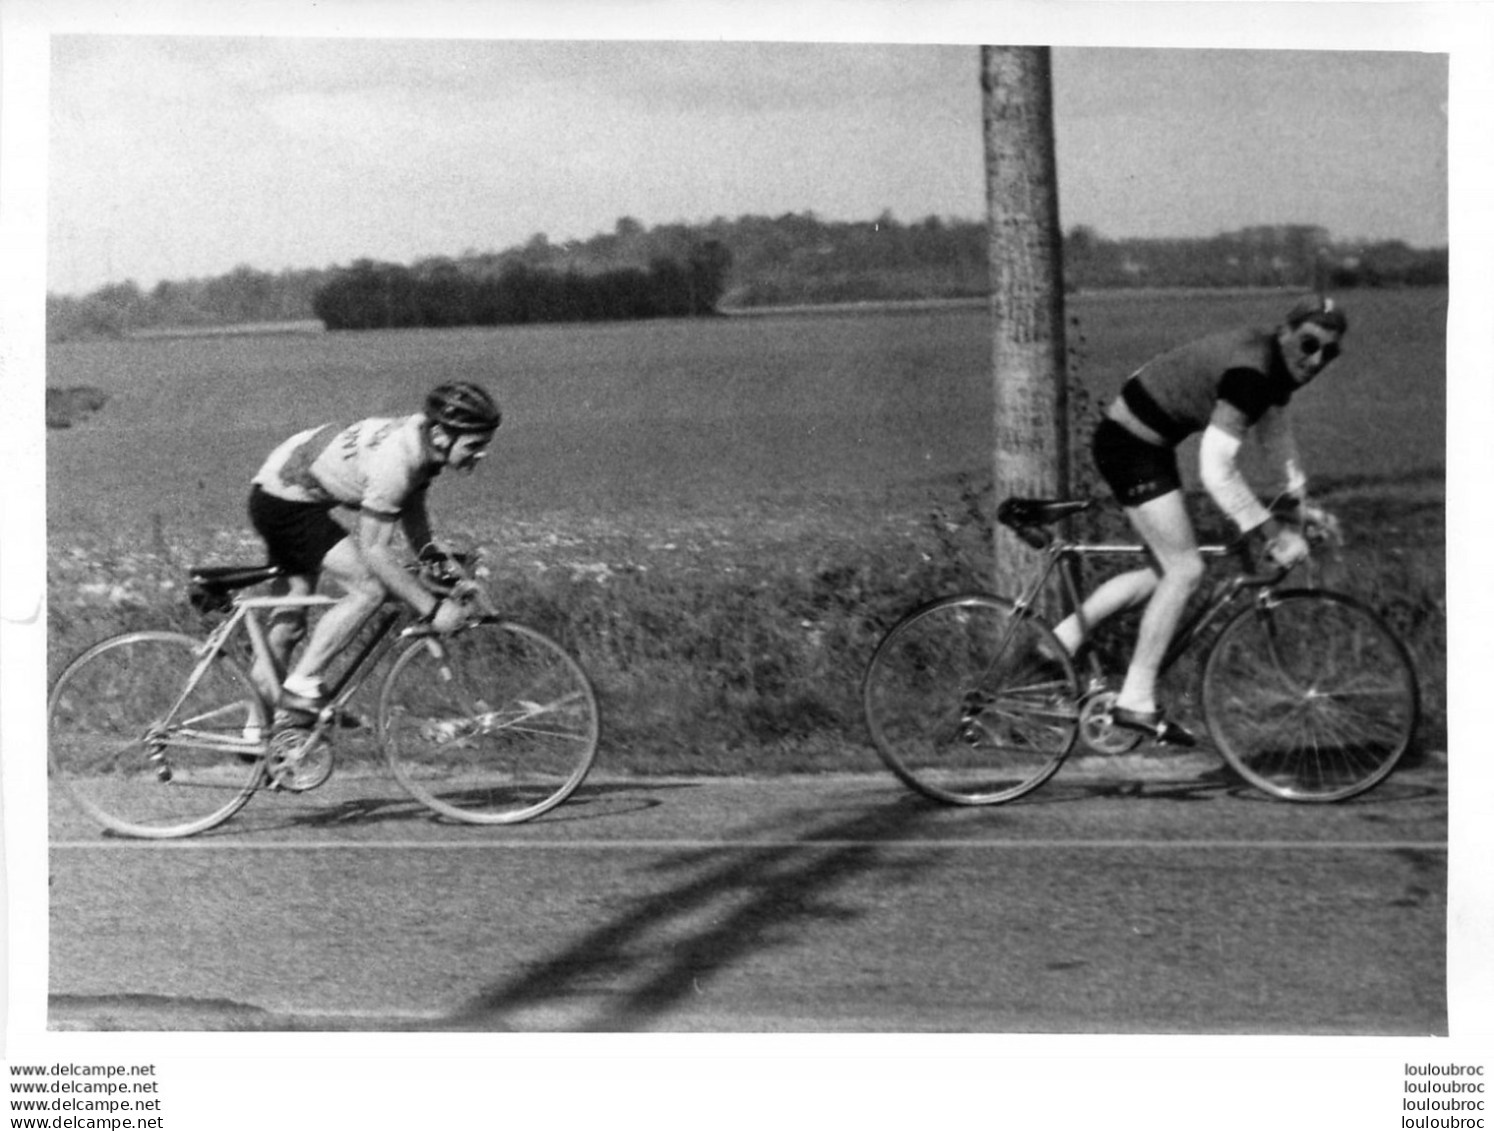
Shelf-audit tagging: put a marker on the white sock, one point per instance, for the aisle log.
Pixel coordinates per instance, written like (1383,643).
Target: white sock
(1068,635)
(304,687)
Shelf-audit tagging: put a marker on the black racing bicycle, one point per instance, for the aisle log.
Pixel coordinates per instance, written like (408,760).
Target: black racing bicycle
(1307,694)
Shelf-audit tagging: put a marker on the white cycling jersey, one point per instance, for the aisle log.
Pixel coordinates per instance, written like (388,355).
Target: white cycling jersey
(376,465)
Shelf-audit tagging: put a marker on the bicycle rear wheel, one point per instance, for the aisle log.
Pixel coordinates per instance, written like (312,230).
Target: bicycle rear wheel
(143,748)
(1310,696)
(492,726)
(969,703)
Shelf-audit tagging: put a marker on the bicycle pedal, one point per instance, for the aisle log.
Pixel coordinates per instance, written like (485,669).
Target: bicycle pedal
(1152,725)
(287,718)
(298,761)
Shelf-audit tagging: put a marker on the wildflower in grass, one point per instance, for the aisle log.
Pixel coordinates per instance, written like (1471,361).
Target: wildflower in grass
(593,571)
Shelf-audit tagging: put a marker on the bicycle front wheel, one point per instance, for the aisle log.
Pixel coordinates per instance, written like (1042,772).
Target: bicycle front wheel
(491,726)
(151,741)
(969,703)
(1310,696)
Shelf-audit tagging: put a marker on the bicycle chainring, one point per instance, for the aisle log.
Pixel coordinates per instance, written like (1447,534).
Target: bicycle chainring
(298,760)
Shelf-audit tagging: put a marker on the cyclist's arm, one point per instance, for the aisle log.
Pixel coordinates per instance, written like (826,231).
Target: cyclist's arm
(1219,468)
(376,545)
(415,521)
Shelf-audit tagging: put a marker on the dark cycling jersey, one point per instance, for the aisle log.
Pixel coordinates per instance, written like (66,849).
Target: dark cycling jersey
(1174,395)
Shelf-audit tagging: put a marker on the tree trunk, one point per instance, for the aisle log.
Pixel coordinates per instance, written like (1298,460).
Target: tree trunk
(1026,265)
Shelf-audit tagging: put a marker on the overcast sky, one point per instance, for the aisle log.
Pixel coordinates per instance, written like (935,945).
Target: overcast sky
(177,156)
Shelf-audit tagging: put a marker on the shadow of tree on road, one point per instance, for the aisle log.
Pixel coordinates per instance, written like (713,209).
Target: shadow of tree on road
(730,903)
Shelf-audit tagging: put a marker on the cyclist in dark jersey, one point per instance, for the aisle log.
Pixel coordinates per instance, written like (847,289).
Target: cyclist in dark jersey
(380,468)
(1224,386)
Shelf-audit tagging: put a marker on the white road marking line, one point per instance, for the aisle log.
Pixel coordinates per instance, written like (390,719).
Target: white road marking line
(189,845)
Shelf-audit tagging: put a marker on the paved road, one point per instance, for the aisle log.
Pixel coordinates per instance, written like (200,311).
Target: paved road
(1107,902)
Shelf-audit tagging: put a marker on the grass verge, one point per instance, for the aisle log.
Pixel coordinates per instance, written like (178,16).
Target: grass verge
(736,645)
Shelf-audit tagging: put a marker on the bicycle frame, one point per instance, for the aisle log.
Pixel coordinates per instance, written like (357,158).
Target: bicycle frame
(247,612)
(1063,557)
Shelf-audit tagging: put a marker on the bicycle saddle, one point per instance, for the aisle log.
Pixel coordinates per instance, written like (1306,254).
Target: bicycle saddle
(1018,512)
(233,577)
(208,587)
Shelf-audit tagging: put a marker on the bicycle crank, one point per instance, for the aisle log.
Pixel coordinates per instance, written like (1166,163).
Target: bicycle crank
(1098,732)
(298,760)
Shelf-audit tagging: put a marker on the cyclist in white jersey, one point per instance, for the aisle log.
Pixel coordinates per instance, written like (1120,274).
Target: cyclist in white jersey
(1224,386)
(380,467)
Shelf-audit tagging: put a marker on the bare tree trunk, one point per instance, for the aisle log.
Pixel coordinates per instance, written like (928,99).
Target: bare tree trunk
(1026,264)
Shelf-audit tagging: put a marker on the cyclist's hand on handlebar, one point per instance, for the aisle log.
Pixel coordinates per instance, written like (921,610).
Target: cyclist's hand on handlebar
(450,616)
(1318,524)
(1287,547)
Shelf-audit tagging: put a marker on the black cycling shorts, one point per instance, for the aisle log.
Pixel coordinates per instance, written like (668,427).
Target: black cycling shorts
(298,535)
(1135,470)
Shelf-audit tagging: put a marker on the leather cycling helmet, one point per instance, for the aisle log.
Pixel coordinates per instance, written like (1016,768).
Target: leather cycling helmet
(1321,310)
(463,407)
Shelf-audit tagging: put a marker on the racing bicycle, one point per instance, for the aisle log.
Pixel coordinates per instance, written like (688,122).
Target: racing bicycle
(1307,694)
(163,734)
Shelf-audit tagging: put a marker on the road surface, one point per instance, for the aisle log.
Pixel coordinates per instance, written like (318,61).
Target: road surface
(1111,901)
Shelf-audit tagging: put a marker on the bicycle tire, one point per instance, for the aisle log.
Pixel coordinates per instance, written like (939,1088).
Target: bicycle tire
(969,703)
(491,726)
(144,750)
(1310,696)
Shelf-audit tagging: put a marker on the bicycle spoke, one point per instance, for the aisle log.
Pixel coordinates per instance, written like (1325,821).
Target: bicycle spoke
(958,707)
(114,758)
(148,742)
(502,728)
(1311,697)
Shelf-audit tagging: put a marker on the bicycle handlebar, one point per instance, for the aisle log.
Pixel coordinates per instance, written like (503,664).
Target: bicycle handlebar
(441,577)
(453,576)
(1317,534)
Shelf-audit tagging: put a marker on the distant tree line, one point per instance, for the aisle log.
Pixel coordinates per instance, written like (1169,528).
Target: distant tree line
(677,270)
(443,293)
(1287,255)
(243,296)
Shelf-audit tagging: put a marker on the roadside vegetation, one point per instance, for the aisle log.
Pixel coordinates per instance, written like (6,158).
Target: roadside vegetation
(718,654)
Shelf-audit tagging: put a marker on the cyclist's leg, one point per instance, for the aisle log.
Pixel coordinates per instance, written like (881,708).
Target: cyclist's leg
(304,539)
(340,623)
(1124,591)
(295,536)
(1137,472)
(1165,527)
(286,629)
